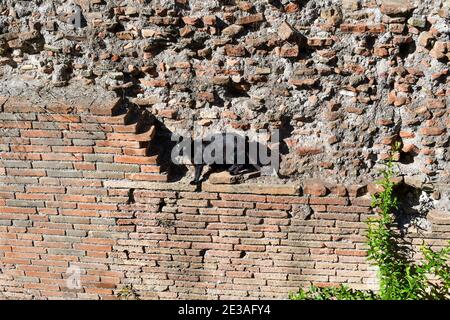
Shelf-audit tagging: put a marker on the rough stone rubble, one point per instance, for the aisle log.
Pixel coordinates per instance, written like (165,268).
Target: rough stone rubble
(342,79)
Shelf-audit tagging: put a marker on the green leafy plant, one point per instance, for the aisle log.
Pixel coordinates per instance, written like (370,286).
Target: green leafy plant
(333,293)
(400,278)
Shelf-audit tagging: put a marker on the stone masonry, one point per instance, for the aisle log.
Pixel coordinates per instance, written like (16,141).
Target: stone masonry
(79,194)
(91,91)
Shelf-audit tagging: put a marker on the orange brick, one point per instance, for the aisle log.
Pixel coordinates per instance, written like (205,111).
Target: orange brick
(136,160)
(41,134)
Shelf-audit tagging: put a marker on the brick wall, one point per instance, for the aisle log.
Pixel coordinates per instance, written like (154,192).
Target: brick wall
(342,79)
(82,191)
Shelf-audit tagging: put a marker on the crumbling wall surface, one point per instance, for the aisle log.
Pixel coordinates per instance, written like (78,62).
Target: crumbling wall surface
(342,79)
(86,213)
(88,207)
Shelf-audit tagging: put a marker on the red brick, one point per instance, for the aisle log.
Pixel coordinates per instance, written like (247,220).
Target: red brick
(273,206)
(135,160)
(357,190)
(61,157)
(348,209)
(75,198)
(26,172)
(146,177)
(338,190)
(198,195)
(315,189)
(235,50)
(74,149)
(41,134)
(231,204)
(243,197)
(432,131)
(17,210)
(358,253)
(25,196)
(46,189)
(250,19)
(329,200)
(292,200)
(58,118)
(30,148)
(267,213)
(91,247)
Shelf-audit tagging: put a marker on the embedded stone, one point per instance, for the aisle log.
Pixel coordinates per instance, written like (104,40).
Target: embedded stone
(210,20)
(309,82)
(425,38)
(439,50)
(417,22)
(224,178)
(432,131)
(396,7)
(289,51)
(125,35)
(285,31)
(192,21)
(351,5)
(232,30)
(315,189)
(255,18)
(221,80)
(235,50)
(301,211)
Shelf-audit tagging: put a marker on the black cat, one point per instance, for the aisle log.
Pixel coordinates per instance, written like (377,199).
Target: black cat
(236,157)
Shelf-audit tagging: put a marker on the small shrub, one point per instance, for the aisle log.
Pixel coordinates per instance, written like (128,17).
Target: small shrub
(400,278)
(333,293)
